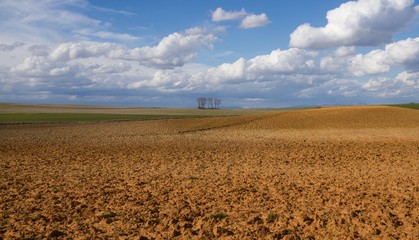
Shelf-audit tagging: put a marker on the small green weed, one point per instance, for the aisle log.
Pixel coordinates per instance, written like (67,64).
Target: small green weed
(272,217)
(193,178)
(108,215)
(219,215)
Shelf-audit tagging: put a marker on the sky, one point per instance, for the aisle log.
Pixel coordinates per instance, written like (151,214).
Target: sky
(248,53)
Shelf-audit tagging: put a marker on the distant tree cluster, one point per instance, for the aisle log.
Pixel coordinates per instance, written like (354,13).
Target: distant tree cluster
(208,103)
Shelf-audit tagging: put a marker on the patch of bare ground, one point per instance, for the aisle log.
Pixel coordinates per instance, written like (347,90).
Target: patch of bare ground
(334,173)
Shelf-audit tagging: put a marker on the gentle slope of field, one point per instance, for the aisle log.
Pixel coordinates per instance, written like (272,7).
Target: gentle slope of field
(330,173)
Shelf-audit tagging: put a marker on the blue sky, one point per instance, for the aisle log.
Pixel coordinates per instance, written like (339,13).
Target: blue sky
(166,53)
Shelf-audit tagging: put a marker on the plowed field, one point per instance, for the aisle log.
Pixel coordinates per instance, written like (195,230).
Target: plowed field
(329,173)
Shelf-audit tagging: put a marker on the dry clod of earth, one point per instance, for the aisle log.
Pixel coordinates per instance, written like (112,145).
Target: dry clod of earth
(329,173)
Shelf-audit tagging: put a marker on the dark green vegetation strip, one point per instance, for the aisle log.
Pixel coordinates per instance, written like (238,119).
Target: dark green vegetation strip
(81,117)
(406,105)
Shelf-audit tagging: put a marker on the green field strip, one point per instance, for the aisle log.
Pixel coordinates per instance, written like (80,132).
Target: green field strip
(82,117)
(406,105)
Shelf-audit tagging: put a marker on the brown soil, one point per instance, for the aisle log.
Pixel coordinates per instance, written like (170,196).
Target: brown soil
(334,173)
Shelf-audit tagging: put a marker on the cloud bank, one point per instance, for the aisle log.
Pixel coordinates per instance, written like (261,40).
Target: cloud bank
(324,65)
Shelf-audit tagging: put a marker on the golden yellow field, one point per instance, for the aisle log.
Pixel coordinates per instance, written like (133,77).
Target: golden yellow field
(329,173)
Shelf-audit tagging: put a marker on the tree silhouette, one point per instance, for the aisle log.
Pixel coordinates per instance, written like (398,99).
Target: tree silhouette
(201,102)
(217,103)
(210,103)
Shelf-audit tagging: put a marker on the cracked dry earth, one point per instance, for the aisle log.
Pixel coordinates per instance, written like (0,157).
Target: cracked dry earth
(329,173)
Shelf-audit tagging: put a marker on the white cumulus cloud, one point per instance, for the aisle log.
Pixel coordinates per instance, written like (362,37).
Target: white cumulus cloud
(221,15)
(403,52)
(357,23)
(248,20)
(373,62)
(405,85)
(410,79)
(227,72)
(288,61)
(254,21)
(74,50)
(337,62)
(173,50)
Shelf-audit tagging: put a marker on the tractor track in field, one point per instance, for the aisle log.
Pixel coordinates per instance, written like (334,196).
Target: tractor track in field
(235,124)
